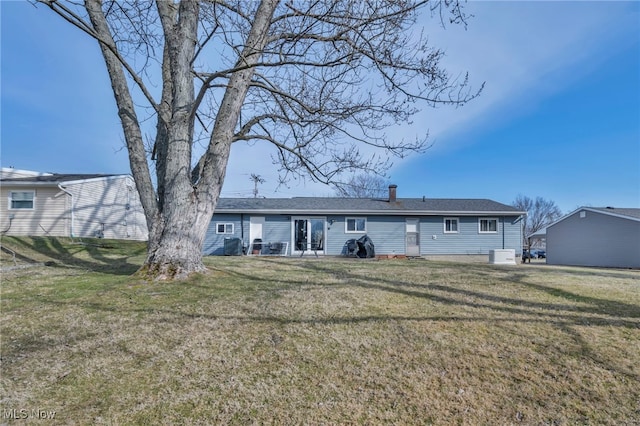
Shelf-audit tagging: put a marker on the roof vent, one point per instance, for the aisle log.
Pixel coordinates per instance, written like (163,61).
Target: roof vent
(609,207)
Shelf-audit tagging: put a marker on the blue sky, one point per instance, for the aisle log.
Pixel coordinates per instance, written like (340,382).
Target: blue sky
(559,117)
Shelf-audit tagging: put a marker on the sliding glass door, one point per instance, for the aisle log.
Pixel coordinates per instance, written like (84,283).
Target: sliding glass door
(308,235)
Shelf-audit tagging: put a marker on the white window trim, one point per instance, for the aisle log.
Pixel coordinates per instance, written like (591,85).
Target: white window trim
(10,200)
(480,231)
(225,224)
(444,225)
(355,218)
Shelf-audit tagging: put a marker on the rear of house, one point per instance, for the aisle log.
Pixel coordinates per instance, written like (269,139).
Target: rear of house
(396,226)
(70,205)
(592,236)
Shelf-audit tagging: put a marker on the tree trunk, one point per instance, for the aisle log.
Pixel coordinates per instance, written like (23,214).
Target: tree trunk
(176,240)
(177,233)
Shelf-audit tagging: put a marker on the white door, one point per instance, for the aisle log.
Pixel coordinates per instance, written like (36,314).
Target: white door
(413,238)
(256,224)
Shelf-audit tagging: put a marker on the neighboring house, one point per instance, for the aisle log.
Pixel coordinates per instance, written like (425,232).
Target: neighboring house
(396,226)
(70,205)
(539,238)
(589,236)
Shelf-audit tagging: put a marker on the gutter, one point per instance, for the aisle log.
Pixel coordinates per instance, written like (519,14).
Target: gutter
(25,181)
(320,212)
(62,188)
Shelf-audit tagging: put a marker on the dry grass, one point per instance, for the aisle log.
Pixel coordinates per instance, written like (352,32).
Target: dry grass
(328,341)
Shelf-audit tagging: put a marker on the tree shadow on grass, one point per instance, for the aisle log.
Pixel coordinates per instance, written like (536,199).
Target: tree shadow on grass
(589,305)
(104,256)
(581,311)
(475,306)
(492,310)
(595,305)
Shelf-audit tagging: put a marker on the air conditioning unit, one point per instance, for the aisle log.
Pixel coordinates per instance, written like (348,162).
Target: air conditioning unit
(232,247)
(502,257)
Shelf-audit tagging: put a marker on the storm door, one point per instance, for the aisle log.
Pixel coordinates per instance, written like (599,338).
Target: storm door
(256,224)
(308,235)
(413,238)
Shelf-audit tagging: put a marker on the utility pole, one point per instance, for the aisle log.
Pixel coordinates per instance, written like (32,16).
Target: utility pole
(256,180)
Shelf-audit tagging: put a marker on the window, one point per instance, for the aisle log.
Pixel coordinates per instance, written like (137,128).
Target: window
(21,200)
(356,224)
(450,225)
(224,228)
(487,226)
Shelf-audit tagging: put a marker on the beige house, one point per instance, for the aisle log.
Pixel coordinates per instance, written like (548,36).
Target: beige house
(70,205)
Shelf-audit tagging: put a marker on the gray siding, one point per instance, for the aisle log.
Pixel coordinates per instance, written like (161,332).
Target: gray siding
(214,242)
(386,232)
(336,237)
(468,239)
(595,240)
(276,228)
(388,235)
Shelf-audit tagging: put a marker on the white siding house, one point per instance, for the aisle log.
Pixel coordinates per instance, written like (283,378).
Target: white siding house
(604,237)
(70,205)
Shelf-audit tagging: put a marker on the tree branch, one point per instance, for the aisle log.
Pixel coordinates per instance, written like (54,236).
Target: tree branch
(71,17)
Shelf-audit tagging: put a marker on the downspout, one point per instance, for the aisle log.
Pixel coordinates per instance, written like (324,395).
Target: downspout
(72,213)
(10,216)
(242,228)
(503,232)
(521,221)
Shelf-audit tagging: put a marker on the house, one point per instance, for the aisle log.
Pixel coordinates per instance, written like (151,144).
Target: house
(539,238)
(590,236)
(396,226)
(70,205)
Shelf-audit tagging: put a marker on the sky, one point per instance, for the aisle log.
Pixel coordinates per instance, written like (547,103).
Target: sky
(559,116)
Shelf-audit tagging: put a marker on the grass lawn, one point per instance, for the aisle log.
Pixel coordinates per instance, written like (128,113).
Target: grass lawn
(315,341)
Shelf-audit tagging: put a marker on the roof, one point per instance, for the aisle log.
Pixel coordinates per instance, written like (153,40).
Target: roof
(54,179)
(628,212)
(620,212)
(540,233)
(328,205)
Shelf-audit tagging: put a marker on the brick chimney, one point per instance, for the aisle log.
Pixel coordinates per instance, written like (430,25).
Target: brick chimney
(392,193)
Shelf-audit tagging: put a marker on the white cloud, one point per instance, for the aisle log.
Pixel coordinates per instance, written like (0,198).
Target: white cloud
(524,51)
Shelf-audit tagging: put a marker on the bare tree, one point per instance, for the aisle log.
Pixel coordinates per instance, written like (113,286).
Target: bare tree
(363,186)
(540,213)
(315,79)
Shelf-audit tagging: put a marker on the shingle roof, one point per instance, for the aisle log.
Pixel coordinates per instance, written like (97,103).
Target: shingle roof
(629,212)
(329,205)
(317,205)
(625,213)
